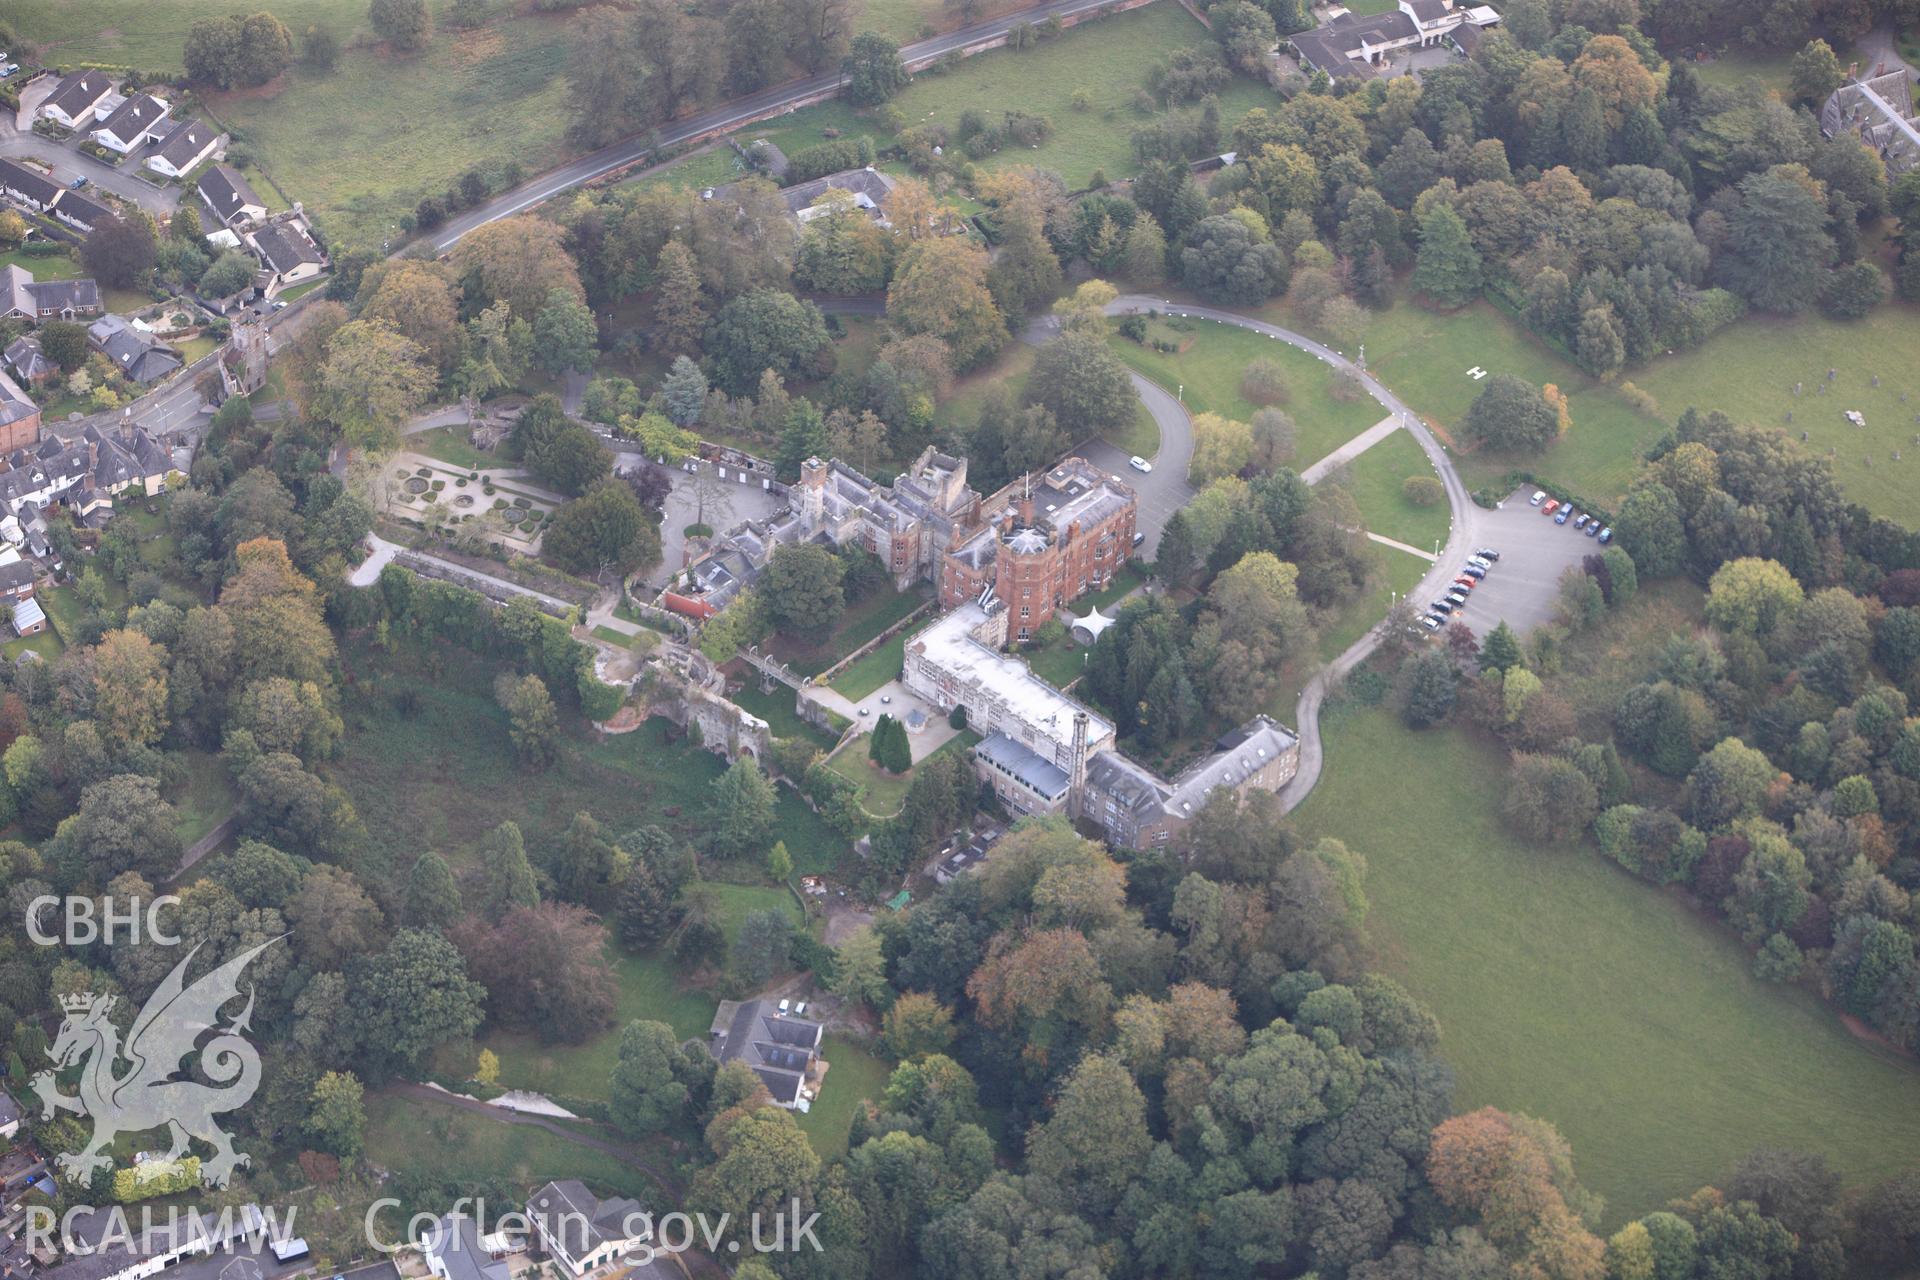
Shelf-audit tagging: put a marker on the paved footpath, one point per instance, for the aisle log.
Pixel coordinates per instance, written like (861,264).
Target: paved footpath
(1352,449)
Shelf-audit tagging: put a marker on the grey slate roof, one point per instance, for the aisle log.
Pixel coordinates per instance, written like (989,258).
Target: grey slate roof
(227,191)
(869,188)
(132,352)
(776,1046)
(581,1221)
(455,1242)
(133,117)
(1429,10)
(78,93)
(25,358)
(188,139)
(31,183)
(83,209)
(1023,764)
(66,295)
(284,248)
(15,404)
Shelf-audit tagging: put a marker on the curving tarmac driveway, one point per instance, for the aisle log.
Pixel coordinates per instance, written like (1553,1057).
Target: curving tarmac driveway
(1461,538)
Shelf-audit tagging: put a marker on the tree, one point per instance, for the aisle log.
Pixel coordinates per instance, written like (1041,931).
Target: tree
(842,250)
(1429,682)
(605,529)
(565,337)
(507,878)
(1597,344)
(1143,263)
(333,918)
(1097,1137)
(1815,73)
(64,343)
(532,723)
(1854,290)
(761,949)
(405,24)
(761,330)
(543,968)
(763,1162)
(1246,34)
(1510,413)
(779,861)
(802,589)
(679,312)
(337,1121)
(740,815)
(120,251)
(1729,783)
(1777,241)
(237,50)
(1221,447)
(873,69)
(1448,269)
(916,1025)
(1516,1174)
(129,688)
(1750,596)
(519,261)
(684,392)
(1225,261)
(1082,383)
(1547,794)
(645,1094)
(320,48)
(411,998)
(373,380)
(122,825)
(231,272)
(940,288)
(1500,651)
(433,898)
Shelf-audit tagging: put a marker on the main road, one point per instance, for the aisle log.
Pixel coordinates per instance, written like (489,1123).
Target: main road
(758,106)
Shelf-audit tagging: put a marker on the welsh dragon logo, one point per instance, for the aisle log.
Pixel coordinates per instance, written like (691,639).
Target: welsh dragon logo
(147,1095)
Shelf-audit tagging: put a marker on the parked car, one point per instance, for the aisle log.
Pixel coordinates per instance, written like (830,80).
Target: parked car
(1606,535)
(1593,528)
(886,699)
(1486,553)
(1553,505)
(1139,538)
(1443,606)
(1580,521)
(78,183)
(1538,497)
(1139,463)
(1459,599)
(1475,572)
(1562,517)
(1464,582)
(1430,622)
(1477,563)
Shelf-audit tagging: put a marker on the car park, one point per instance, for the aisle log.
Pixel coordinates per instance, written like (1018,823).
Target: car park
(1486,553)
(1593,528)
(1606,535)
(1478,563)
(1431,623)
(1464,582)
(1139,464)
(1458,599)
(1537,498)
(1580,521)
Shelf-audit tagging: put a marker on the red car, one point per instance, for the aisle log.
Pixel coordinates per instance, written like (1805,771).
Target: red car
(1553,505)
(1464,583)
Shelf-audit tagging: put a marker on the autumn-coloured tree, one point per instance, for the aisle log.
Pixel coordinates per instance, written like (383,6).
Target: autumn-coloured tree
(517,261)
(1044,988)
(129,688)
(1516,1173)
(941,288)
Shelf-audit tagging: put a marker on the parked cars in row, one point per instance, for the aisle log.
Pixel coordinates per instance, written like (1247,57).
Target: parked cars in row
(1454,596)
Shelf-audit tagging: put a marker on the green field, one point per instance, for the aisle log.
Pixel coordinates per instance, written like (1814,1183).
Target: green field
(413,125)
(648,989)
(1736,69)
(438,772)
(1569,990)
(404,1136)
(1394,574)
(1748,372)
(1206,372)
(1108,58)
(862,621)
(1375,479)
(881,793)
(139,33)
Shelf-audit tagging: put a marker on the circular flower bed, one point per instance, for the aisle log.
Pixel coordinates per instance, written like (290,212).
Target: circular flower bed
(499,503)
(416,485)
(464,500)
(460,482)
(423,472)
(513,515)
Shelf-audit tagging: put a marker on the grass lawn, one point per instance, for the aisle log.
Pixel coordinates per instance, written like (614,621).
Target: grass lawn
(209,796)
(52,266)
(193,348)
(1748,372)
(1736,69)
(47,644)
(63,609)
(472,99)
(862,676)
(1375,479)
(1009,369)
(441,773)
(619,639)
(450,445)
(862,621)
(405,1136)
(853,1074)
(882,794)
(1569,990)
(300,291)
(1424,356)
(1206,372)
(139,33)
(1058,664)
(777,709)
(1395,573)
